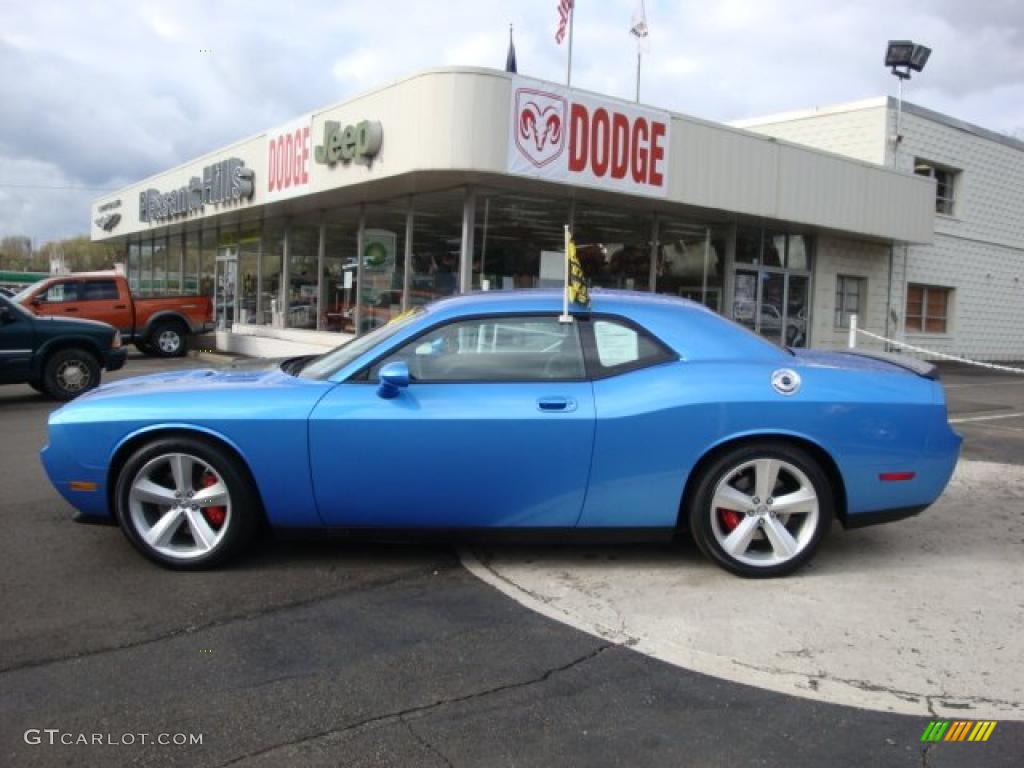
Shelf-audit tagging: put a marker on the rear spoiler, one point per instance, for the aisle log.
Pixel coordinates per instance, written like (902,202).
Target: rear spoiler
(912,364)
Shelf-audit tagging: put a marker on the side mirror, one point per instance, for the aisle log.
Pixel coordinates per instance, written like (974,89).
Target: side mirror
(394,377)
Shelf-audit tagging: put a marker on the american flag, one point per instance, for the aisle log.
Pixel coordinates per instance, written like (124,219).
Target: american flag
(564,11)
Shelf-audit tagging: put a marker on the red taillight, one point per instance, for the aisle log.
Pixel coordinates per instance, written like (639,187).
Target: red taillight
(891,476)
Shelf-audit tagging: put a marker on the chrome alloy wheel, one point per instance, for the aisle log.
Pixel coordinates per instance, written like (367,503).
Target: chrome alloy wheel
(73,376)
(764,512)
(180,506)
(169,341)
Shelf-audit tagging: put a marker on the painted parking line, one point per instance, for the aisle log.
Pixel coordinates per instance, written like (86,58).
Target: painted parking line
(966,419)
(919,617)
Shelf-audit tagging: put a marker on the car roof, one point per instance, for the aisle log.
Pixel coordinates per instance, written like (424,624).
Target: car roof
(546,299)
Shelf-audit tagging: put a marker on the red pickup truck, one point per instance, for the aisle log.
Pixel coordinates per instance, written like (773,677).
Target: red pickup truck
(158,326)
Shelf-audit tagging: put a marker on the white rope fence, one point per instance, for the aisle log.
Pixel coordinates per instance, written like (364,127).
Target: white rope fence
(852,344)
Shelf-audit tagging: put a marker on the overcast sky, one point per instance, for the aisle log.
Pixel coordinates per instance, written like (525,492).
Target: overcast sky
(99,95)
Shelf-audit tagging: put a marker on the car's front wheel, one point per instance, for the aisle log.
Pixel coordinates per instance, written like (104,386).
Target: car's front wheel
(185,503)
(68,373)
(761,509)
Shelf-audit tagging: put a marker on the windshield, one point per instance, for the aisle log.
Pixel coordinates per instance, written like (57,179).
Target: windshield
(24,292)
(327,365)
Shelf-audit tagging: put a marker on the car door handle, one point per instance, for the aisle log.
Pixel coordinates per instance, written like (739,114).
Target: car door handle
(556,404)
(71,309)
(120,306)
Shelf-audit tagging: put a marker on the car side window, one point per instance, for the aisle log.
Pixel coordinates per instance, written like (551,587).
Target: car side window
(99,290)
(493,349)
(620,347)
(59,293)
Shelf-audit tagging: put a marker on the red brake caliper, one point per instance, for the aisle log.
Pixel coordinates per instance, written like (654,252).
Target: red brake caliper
(214,515)
(729,518)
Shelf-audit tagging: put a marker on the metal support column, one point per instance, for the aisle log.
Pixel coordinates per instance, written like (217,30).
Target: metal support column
(282,297)
(360,257)
(652,282)
(468,231)
(320,253)
(410,221)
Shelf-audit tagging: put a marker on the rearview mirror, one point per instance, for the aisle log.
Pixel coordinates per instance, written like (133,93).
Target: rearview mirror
(393,378)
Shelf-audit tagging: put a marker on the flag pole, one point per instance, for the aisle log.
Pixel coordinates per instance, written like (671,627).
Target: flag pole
(566,317)
(568,74)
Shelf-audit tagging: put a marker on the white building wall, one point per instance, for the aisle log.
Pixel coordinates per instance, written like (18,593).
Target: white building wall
(857,258)
(978,251)
(854,130)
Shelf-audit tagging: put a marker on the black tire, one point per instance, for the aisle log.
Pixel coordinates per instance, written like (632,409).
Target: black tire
(169,338)
(144,347)
(241,523)
(38,387)
(702,513)
(67,373)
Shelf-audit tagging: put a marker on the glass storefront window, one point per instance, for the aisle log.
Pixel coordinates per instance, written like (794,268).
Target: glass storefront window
(519,241)
(191,284)
(207,259)
(338,289)
(748,245)
(133,267)
(436,245)
(303,243)
(614,247)
(248,262)
(384,264)
(174,255)
(774,249)
(799,253)
(226,277)
(691,261)
(146,268)
(159,284)
(273,258)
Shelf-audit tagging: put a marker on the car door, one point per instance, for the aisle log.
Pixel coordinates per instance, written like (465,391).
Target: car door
(100,300)
(16,342)
(494,430)
(60,299)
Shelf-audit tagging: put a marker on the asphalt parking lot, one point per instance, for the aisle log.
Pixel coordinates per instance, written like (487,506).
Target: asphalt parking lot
(338,654)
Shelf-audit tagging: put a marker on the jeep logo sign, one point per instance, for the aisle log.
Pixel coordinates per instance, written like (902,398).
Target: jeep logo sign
(563,136)
(358,143)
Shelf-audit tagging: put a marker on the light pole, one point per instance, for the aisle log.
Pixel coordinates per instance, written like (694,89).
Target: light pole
(902,56)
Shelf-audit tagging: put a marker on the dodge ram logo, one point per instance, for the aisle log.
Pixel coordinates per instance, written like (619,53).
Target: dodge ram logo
(108,221)
(540,125)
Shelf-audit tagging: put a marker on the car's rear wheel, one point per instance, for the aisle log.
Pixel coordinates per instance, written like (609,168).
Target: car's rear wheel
(761,509)
(68,373)
(169,338)
(185,503)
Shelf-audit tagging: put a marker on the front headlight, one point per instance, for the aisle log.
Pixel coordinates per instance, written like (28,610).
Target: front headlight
(116,344)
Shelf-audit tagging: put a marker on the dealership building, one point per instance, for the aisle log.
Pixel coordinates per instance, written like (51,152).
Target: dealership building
(462,179)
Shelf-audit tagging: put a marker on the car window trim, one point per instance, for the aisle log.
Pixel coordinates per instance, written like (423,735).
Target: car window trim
(362,376)
(597,371)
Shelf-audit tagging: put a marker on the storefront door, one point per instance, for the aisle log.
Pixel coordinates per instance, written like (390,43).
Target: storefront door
(225,285)
(773,303)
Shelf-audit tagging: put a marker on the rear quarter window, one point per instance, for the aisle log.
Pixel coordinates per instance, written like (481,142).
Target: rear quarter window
(618,346)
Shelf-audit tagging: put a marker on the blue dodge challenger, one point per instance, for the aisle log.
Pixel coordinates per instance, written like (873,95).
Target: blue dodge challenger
(642,416)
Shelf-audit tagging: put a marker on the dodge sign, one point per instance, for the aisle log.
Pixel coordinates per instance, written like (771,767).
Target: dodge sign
(560,135)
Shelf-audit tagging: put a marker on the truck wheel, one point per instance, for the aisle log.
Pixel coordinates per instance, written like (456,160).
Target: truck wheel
(168,339)
(70,372)
(38,387)
(144,347)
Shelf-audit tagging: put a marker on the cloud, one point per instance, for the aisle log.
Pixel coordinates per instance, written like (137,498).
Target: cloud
(112,92)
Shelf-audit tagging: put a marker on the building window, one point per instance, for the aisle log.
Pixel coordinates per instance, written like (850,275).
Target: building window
(945,184)
(927,308)
(851,293)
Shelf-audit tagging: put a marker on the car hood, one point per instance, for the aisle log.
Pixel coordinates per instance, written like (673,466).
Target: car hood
(204,379)
(72,324)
